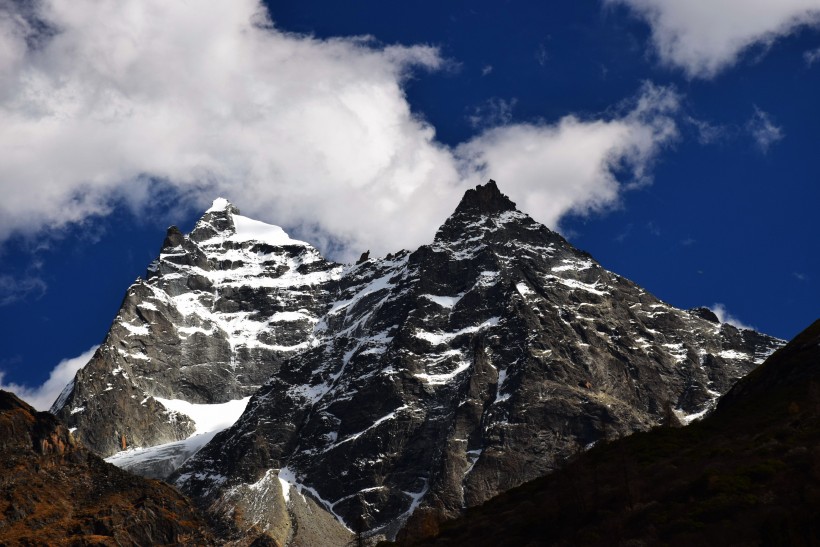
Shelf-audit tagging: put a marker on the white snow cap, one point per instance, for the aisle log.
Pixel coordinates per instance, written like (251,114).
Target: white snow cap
(219,204)
(248,229)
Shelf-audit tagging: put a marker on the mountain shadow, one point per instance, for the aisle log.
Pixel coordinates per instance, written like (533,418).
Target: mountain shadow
(749,474)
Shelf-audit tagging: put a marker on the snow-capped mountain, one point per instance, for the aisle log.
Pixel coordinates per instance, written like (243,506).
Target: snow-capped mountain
(396,391)
(220,309)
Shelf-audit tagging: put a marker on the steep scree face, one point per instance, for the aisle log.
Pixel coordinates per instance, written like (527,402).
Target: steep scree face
(439,378)
(220,310)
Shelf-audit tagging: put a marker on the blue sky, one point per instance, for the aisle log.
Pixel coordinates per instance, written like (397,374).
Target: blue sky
(676,142)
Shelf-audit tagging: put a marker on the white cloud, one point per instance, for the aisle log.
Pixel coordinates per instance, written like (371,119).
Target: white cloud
(724,316)
(569,167)
(763,130)
(42,397)
(315,135)
(704,37)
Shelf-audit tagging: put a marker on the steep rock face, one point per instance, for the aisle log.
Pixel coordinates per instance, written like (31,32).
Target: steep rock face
(219,311)
(439,378)
(55,492)
(747,474)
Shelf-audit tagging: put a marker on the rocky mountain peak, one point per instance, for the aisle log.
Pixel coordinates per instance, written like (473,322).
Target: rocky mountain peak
(485,214)
(497,346)
(218,219)
(485,199)
(705,313)
(173,238)
(218,312)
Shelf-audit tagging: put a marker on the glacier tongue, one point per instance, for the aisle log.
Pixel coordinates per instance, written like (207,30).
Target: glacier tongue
(158,462)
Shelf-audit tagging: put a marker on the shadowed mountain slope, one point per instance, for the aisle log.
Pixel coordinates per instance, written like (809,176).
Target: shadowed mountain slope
(749,474)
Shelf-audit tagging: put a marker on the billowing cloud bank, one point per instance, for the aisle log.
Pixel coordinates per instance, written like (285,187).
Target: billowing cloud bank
(101,97)
(704,37)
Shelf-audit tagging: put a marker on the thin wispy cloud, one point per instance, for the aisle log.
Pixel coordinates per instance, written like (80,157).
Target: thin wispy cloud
(622,236)
(493,112)
(763,130)
(210,98)
(704,37)
(541,55)
(707,132)
(653,228)
(43,396)
(14,289)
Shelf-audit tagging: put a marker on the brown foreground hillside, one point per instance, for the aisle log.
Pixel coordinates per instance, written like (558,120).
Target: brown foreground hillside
(55,492)
(749,474)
